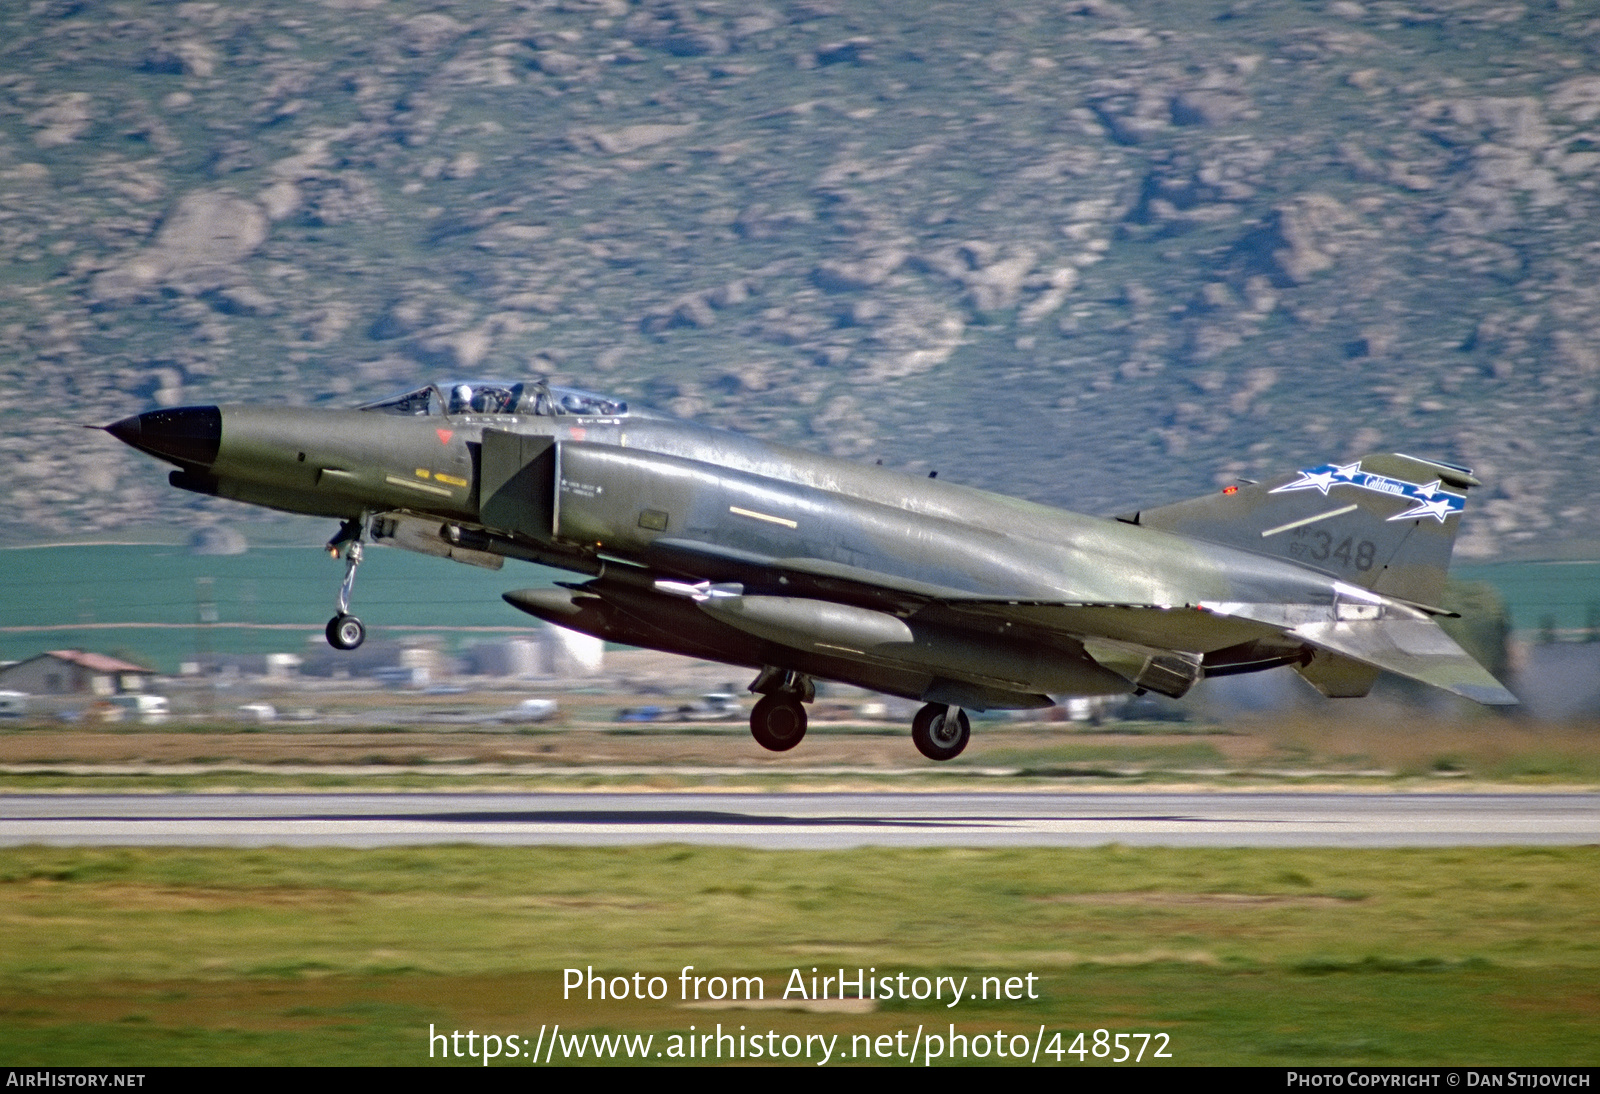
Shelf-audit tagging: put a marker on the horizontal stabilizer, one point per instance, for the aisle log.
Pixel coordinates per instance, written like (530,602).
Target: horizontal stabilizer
(1418,649)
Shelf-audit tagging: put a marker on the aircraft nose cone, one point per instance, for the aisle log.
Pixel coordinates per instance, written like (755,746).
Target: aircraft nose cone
(186,435)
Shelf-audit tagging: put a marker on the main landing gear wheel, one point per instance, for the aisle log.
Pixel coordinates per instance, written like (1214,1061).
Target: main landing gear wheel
(345,632)
(778,722)
(939,732)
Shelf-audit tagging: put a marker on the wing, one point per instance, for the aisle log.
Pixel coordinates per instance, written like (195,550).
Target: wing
(1319,640)
(1339,648)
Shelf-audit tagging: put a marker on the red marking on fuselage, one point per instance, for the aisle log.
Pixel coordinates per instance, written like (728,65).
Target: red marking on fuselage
(577,433)
(445,435)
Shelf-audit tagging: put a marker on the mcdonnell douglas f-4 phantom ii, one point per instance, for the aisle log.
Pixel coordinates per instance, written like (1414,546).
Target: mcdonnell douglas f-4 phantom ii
(710,544)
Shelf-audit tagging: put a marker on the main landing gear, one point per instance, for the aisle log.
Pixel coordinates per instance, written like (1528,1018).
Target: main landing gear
(345,631)
(778,722)
(940,732)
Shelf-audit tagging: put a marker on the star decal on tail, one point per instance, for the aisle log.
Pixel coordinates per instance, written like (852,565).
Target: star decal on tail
(1427,500)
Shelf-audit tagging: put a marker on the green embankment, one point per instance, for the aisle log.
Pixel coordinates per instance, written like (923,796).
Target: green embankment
(143,601)
(273,599)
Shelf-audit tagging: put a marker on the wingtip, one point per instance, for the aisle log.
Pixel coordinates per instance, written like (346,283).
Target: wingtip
(1488,696)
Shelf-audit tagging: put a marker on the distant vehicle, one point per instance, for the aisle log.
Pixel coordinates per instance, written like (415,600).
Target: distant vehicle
(146,709)
(258,712)
(714,706)
(531,710)
(801,567)
(642,714)
(13,704)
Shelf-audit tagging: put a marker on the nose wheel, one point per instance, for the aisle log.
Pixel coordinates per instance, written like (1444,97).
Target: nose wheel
(345,631)
(940,732)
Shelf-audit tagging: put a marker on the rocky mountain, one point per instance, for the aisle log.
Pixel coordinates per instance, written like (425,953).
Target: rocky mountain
(1093,253)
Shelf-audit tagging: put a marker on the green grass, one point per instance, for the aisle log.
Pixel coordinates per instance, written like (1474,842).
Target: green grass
(1487,956)
(1186,754)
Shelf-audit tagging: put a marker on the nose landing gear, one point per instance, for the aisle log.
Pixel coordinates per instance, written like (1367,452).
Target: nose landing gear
(345,631)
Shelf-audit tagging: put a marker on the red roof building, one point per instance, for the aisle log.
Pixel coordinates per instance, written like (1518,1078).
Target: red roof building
(74,672)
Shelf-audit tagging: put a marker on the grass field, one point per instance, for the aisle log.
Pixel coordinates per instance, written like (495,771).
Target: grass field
(1404,749)
(143,957)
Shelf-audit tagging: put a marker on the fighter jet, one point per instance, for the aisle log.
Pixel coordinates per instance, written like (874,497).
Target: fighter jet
(711,544)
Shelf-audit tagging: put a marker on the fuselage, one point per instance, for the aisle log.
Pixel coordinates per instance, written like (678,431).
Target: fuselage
(846,571)
(627,484)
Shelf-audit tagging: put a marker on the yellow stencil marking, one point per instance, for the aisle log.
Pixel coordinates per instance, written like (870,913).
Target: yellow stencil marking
(787,523)
(396,480)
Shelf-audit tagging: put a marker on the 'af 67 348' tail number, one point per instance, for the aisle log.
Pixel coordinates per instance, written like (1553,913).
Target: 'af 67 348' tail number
(1316,545)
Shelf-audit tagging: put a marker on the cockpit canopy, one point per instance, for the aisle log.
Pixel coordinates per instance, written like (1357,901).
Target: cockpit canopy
(504,397)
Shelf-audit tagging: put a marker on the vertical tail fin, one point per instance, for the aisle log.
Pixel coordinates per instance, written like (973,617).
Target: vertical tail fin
(1386,522)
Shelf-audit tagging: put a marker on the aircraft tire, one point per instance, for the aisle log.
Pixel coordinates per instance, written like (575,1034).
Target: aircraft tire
(778,722)
(345,632)
(939,733)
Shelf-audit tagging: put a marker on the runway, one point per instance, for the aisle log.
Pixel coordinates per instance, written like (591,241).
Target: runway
(814,821)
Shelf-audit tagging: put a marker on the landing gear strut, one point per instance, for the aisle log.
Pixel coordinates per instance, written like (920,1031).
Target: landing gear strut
(778,721)
(940,732)
(345,631)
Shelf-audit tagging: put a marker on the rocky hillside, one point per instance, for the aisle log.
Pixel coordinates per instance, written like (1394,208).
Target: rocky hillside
(1092,253)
